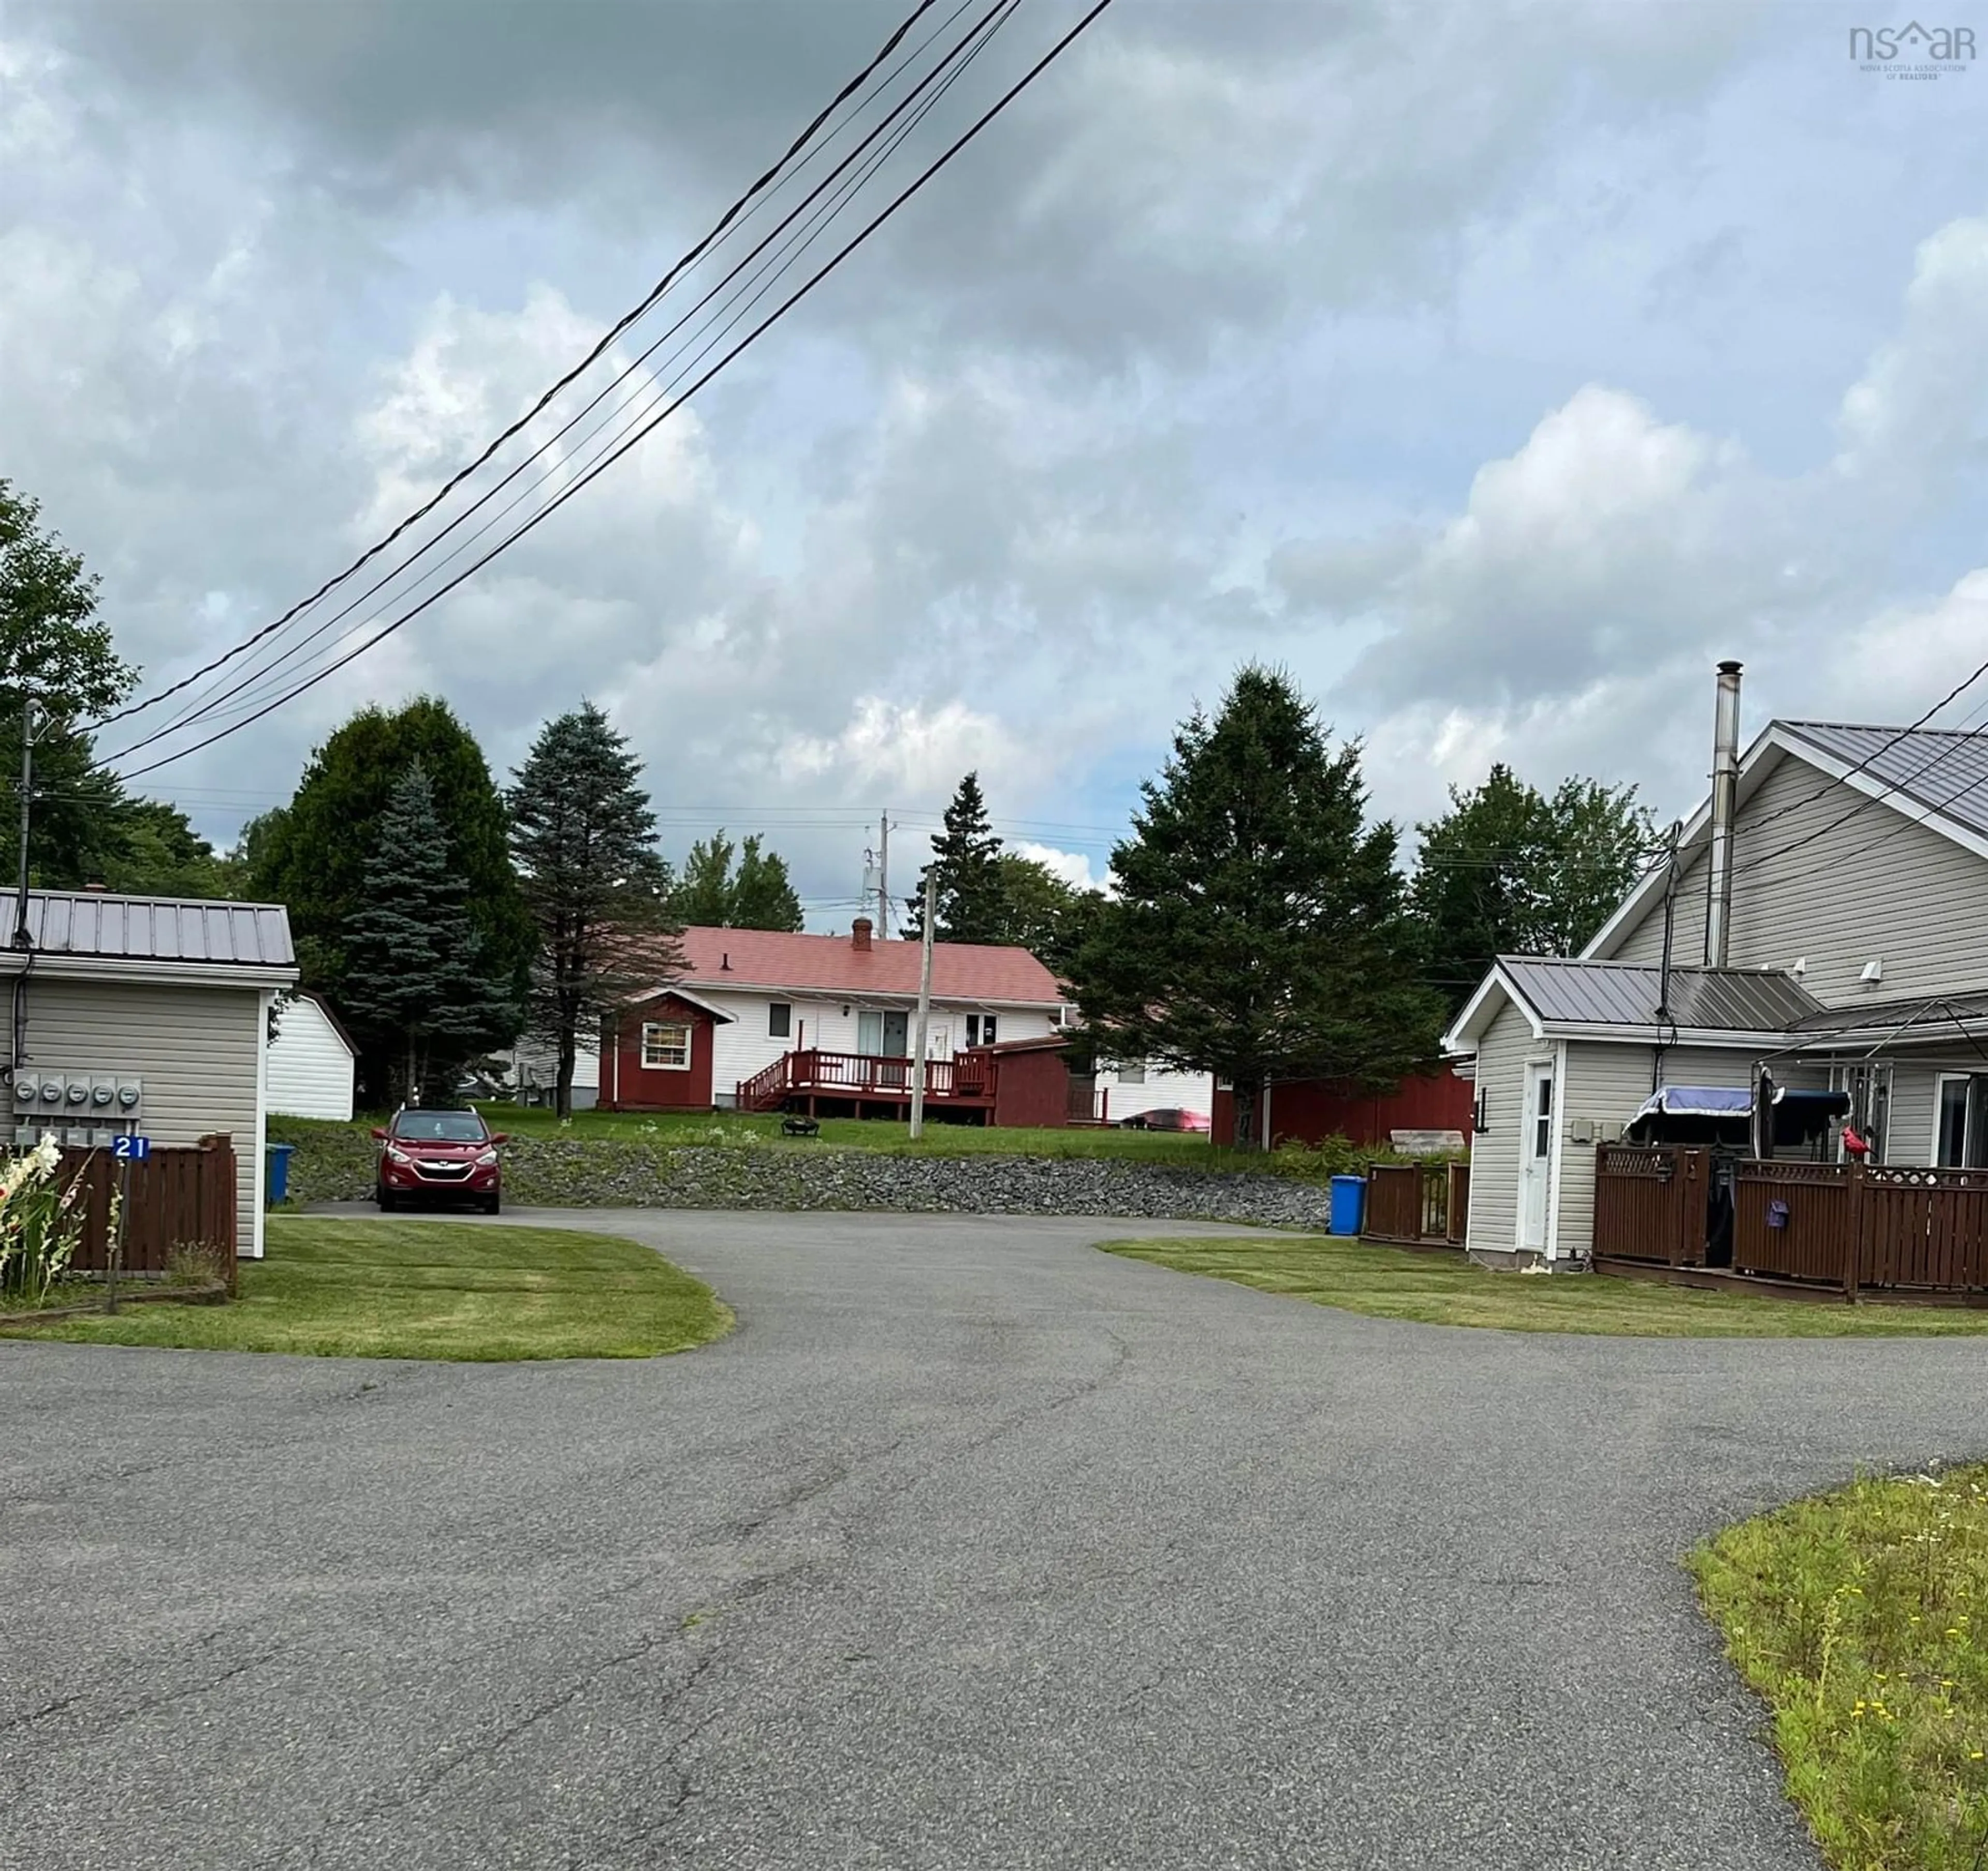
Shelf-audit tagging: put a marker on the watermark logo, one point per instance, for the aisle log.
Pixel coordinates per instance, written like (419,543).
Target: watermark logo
(1912,53)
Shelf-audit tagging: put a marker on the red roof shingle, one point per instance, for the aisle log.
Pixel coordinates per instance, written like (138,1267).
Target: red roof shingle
(833,964)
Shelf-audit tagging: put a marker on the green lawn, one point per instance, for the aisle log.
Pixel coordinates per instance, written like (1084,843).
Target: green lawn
(940,1139)
(432,1289)
(1447,1290)
(1862,1617)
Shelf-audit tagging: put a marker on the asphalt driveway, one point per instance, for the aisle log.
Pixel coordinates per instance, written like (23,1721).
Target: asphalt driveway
(971,1547)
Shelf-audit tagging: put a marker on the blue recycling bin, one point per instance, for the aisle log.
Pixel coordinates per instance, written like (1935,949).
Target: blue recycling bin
(1349,1204)
(277,1184)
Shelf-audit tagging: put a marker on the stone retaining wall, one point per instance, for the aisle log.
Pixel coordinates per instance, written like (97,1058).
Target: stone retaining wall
(565,1173)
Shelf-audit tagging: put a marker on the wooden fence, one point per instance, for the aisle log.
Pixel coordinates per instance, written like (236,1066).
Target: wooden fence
(1649,1203)
(1841,1226)
(1413,1204)
(179,1198)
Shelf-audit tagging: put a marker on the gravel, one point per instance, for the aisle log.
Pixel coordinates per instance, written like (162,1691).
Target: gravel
(970,1547)
(604,1172)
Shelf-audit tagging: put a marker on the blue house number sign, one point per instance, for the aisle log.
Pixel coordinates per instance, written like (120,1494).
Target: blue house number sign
(131,1149)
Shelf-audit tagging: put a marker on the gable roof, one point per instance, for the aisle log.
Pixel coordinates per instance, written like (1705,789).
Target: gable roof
(774,959)
(1936,777)
(1605,1000)
(93,924)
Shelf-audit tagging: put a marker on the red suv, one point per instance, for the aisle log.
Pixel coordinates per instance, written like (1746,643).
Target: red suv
(449,1155)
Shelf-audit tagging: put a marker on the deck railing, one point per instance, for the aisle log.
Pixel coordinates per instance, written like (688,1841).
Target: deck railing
(861,1075)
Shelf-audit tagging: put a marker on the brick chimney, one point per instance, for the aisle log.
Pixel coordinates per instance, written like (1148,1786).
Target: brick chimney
(859,936)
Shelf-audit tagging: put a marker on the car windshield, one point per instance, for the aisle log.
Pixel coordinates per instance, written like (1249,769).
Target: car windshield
(440,1127)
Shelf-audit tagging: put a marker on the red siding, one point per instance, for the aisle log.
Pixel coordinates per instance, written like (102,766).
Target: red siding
(1032,1088)
(1314,1108)
(626,1085)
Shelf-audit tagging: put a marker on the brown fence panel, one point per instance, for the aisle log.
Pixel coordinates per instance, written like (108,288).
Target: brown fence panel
(1393,1202)
(179,1198)
(1649,1203)
(1794,1220)
(1925,1228)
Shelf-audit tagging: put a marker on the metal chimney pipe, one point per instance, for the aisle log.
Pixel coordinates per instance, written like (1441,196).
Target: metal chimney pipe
(1725,802)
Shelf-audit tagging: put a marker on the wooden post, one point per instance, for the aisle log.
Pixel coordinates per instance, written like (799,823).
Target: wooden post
(924,1013)
(1853,1261)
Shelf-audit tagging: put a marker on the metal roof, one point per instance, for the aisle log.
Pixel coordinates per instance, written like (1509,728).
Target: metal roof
(1921,1015)
(95,923)
(1626,994)
(1943,770)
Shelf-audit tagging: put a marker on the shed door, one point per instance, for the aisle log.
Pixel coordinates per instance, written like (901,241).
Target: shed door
(1535,1163)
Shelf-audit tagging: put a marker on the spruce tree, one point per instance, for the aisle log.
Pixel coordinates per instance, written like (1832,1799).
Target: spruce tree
(418,986)
(584,838)
(970,900)
(1258,932)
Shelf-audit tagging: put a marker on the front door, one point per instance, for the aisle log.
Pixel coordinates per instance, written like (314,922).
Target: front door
(896,1035)
(1536,1164)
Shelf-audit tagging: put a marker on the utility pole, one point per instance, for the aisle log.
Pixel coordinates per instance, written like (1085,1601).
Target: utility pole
(924,1016)
(21,939)
(884,878)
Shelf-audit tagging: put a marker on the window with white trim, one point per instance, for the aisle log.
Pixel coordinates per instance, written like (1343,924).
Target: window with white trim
(980,1030)
(1131,1071)
(1960,1121)
(666,1046)
(779,1019)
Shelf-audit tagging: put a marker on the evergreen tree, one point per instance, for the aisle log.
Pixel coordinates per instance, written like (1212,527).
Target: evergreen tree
(966,867)
(584,838)
(1258,931)
(312,855)
(763,893)
(1510,871)
(418,987)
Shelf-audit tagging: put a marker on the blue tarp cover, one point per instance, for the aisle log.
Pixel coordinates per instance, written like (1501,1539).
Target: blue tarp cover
(1698,1102)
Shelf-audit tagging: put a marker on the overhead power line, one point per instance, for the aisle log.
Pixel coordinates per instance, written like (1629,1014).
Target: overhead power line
(894,207)
(221,700)
(599,351)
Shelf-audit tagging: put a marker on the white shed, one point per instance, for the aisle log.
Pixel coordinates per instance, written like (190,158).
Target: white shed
(310,1061)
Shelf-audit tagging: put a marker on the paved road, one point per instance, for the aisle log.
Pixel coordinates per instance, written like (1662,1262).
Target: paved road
(972,1547)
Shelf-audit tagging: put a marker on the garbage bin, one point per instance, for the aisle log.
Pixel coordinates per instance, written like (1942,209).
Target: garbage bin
(1349,1203)
(277,1183)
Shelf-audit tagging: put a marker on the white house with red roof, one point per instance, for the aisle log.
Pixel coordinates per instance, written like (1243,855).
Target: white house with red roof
(759,1019)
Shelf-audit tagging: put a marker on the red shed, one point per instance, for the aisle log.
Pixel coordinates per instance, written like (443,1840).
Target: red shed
(660,1057)
(1311,1109)
(1032,1082)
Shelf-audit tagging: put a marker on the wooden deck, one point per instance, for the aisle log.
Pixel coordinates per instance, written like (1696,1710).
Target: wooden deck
(868,1084)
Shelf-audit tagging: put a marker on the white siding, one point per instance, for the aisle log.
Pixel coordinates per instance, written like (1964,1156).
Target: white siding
(309,1068)
(1502,1053)
(199,1050)
(1161,1090)
(532,1063)
(1875,887)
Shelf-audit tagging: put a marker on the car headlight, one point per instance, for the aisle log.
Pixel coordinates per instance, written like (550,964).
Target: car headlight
(395,1155)
(489,1156)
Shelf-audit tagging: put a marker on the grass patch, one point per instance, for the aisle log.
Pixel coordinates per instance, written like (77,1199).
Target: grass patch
(1448,1289)
(1859,1616)
(426,1289)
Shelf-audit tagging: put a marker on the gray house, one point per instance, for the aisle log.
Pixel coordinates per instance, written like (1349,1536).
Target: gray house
(1826,919)
(162,1006)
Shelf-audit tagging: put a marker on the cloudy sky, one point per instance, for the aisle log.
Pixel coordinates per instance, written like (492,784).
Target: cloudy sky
(1497,368)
